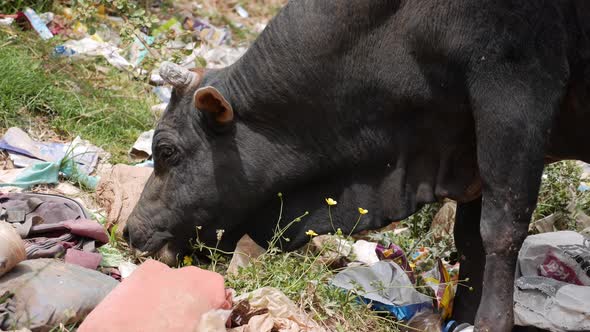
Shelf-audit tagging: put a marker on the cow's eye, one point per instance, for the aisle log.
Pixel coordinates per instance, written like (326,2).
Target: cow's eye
(167,153)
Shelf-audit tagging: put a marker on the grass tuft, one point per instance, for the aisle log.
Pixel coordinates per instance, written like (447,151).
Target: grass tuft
(71,96)
(305,280)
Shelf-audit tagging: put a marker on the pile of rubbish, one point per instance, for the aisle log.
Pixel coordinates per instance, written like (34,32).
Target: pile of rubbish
(59,263)
(30,163)
(188,40)
(54,271)
(53,240)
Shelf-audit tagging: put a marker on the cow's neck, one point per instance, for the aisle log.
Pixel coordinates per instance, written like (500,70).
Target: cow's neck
(300,104)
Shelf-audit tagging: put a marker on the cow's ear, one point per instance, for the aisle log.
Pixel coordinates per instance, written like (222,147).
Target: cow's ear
(208,99)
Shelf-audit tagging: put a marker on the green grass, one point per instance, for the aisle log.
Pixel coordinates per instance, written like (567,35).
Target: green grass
(303,276)
(71,96)
(559,194)
(12,6)
(305,280)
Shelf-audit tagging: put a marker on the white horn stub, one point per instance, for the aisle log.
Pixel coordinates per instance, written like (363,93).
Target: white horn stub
(175,75)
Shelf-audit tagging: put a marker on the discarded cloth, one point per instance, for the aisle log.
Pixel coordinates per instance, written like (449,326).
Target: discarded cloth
(51,225)
(25,209)
(52,240)
(164,93)
(12,248)
(386,286)
(550,304)
(276,313)
(119,191)
(89,260)
(158,298)
(44,293)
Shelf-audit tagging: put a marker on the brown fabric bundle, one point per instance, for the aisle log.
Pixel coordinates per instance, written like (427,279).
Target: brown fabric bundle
(119,191)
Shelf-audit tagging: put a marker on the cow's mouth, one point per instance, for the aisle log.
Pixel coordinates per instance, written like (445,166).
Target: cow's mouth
(153,244)
(166,254)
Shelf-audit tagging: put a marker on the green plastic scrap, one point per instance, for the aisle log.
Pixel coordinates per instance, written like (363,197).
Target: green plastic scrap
(70,171)
(48,173)
(40,173)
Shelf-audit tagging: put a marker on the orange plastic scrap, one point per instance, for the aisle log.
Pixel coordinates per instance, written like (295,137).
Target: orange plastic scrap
(158,298)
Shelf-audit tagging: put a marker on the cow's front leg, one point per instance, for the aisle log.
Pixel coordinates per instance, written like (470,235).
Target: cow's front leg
(471,259)
(504,225)
(513,119)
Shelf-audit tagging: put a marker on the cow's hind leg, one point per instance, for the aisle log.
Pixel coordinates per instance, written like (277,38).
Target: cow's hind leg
(471,259)
(513,113)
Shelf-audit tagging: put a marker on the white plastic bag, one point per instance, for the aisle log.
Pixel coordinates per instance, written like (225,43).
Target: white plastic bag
(551,304)
(558,255)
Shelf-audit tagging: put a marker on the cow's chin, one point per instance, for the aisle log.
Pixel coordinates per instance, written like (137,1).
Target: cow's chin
(167,255)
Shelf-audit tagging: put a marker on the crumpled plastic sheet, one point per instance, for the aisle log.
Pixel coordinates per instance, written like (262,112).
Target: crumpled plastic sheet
(551,304)
(142,148)
(6,21)
(439,280)
(365,252)
(25,152)
(216,57)
(553,286)
(46,173)
(40,173)
(561,256)
(395,253)
(282,316)
(286,316)
(385,285)
(91,47)
(246,250)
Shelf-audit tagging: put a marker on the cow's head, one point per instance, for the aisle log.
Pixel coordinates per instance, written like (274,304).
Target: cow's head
(219,167)
(198,173)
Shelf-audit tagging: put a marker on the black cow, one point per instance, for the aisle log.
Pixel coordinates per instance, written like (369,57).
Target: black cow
(382,104)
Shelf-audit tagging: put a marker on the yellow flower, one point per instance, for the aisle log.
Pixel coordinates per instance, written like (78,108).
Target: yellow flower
(311,233)
(331,202)
(363,211)
(188,260)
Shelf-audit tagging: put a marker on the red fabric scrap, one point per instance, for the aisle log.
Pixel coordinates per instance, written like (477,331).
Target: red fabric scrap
(87,228)
(89,260)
